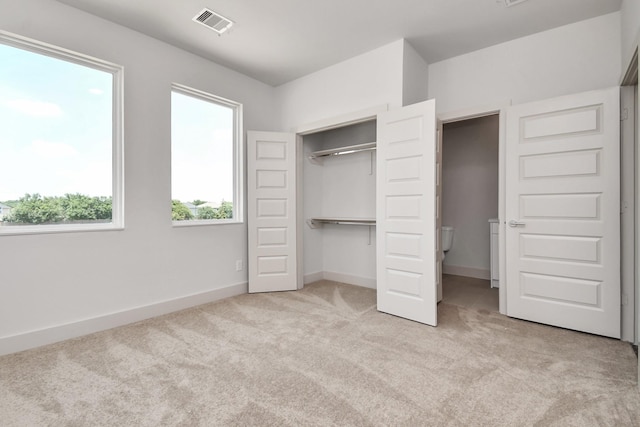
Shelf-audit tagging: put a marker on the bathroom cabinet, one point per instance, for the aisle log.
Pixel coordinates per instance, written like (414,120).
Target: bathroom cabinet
(494,227)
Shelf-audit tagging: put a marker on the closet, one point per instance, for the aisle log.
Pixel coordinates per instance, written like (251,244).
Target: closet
(558,205)
(339,204)
(314,197)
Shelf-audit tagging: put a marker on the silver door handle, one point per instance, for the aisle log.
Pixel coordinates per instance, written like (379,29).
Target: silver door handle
(514,223)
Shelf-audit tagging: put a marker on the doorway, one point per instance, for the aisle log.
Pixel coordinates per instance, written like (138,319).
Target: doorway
(490,121)
(630,196)
(470,164)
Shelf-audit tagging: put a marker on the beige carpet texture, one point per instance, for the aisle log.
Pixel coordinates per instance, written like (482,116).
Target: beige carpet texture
(323,356)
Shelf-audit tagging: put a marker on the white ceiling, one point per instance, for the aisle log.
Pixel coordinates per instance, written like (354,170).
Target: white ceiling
(276,41)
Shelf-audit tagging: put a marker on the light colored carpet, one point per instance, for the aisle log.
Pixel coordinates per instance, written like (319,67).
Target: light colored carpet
(319,357)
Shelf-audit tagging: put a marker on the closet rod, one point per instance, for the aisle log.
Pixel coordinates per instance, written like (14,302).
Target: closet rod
(343,150)
(316,222)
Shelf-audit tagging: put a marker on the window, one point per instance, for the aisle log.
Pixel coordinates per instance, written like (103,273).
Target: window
(60,144)
(205,158)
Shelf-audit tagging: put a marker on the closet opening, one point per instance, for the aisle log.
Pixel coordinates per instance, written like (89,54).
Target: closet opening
(339,204)
(470,207)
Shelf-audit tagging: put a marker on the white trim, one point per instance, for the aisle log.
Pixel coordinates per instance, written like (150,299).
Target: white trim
(32,339)
(341,120)
(502,210)
(61,53)
(627,213)
(299,177)
(473,113)
(350,279)
(200,94)
(238,154)
(457,270)
(117,137)
(313,277)
(239,161)
(201,222)
(637,223)
(117,177)
(18,230)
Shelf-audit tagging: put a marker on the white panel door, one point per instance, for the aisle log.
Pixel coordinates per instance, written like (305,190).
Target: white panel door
(406,213)
(563,212)
(271,187)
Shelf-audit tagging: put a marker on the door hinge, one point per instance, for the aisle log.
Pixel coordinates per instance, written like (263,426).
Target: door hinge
(624,114)
(624,300)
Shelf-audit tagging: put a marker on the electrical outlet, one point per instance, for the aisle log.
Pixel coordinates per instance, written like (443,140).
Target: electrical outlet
(239,265)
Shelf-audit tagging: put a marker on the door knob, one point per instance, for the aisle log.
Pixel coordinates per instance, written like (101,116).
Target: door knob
(514,223)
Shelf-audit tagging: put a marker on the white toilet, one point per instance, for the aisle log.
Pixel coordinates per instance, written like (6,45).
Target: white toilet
(447,239)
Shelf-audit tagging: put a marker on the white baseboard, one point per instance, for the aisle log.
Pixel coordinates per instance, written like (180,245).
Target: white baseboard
(350,279)
(16,343)
(313,277)
(457,270)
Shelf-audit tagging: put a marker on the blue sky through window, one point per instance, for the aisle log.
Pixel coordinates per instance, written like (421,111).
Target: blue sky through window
(55,126)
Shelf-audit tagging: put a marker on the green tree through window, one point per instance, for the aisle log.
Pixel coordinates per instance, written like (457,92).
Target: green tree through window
(59,127)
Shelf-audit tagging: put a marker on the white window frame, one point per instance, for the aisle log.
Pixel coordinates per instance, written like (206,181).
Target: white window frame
(117,152)
(238,157)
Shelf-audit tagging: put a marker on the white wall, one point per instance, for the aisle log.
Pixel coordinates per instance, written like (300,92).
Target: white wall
(570,59)
(415,76)
(630,22)
(57,279)
(470,192)
(368,80)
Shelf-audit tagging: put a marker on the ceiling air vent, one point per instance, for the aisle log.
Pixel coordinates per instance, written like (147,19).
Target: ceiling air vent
(512,2)
(215,21)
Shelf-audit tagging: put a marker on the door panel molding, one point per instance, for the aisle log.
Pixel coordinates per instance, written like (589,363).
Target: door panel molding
(406,213)
(272,214)
(563,190)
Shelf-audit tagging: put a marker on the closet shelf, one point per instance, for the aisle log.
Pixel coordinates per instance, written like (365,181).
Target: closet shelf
(343,150)
(317,222)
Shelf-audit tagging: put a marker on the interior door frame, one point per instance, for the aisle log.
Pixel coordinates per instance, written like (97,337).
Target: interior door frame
(631,76)
(499,108)
(335,122)
(628,219)
(631,257)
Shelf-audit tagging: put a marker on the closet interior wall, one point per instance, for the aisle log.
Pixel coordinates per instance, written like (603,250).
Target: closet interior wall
(339,187)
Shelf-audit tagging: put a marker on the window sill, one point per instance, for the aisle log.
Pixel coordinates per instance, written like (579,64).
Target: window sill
(201,222)
(17,230)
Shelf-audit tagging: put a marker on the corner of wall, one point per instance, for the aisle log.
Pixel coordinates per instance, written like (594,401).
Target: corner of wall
(415,76)
(629,30)
(366,80)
